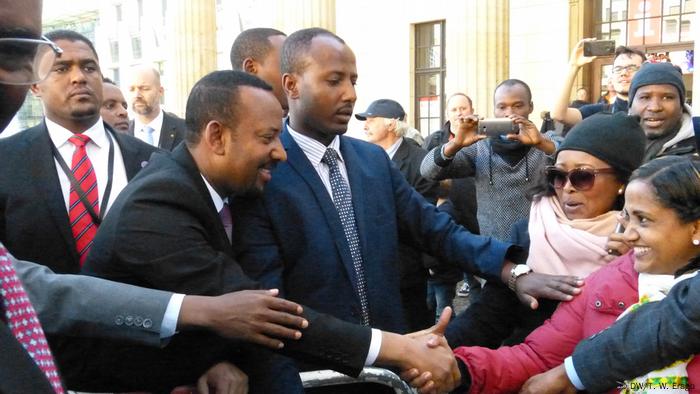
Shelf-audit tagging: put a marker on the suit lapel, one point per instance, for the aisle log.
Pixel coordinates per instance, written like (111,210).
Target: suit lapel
(298,161)
(183,157)
(167,133)
(401,155)
(130,153)
(43,169)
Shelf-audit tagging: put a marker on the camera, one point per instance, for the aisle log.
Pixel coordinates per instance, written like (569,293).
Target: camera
(599,48)
(496,126)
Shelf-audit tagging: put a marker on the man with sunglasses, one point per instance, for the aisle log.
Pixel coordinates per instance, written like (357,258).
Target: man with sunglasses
(627,62)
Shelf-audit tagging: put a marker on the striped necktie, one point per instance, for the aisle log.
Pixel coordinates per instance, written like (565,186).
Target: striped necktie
(23,322)
(342,200)
(81,223)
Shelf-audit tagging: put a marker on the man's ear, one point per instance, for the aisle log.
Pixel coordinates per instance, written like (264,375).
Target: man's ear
(290,83)
(250,66)
(35,90)
(214,136)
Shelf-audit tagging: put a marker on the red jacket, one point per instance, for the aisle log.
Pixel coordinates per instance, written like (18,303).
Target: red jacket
(608,292)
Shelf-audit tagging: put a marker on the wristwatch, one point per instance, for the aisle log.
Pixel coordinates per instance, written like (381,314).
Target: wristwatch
(517,271)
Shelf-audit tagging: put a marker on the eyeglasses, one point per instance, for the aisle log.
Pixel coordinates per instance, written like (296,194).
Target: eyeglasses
(25,61)
(581,179)
(632,68)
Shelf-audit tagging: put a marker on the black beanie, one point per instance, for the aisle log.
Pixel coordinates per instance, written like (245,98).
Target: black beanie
(657,74)
(616,139)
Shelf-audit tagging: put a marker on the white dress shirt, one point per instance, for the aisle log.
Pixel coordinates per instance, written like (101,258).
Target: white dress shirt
(98,153)
(156,124)
(314,151)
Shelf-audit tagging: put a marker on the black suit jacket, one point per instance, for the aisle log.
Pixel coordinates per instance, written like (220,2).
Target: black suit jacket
(164,232)
(171,133)
(34,222)
(408,158)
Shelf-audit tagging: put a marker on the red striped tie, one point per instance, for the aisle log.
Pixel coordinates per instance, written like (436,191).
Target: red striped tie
(81,223)
(22,320)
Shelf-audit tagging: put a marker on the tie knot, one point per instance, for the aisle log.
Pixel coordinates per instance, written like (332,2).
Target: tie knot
(79,140)
(330,157)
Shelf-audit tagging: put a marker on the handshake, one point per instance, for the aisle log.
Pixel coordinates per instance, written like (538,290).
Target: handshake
(424,357)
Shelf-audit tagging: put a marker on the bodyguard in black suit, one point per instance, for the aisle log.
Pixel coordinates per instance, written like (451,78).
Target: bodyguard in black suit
(34,222)
(151,124)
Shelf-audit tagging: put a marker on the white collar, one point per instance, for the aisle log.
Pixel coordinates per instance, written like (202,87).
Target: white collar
(215,197)
(156,123)
(59,135)
(394,147)
(313,149)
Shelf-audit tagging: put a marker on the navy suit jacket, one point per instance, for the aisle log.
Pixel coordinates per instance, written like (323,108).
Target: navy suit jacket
(293,239)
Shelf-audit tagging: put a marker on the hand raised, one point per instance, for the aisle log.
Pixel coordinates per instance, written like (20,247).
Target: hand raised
(222,378)
(528,133)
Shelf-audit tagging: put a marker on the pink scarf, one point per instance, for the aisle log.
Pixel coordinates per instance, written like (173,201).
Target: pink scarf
(559,246)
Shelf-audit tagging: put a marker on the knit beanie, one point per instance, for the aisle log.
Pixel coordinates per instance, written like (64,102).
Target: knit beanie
(657,74)
(616,139)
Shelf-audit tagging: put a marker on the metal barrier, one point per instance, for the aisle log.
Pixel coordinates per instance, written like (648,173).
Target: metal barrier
(382,376)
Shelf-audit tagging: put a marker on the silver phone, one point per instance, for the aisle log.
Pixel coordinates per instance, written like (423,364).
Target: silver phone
(496,126)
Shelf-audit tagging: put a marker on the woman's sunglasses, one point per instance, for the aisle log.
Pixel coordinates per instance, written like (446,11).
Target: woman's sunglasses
(581,179)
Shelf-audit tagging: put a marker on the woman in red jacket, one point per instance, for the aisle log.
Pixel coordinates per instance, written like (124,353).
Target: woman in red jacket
(662,227)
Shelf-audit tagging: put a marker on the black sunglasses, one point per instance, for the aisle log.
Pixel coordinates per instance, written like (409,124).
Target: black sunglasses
(581,179)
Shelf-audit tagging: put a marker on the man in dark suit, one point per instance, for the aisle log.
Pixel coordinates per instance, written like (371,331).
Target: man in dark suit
(385,126)
(174,216)
(305,236)
(151,124)
(36,198)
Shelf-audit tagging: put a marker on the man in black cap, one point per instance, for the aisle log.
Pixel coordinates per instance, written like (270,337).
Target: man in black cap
(658,98)
(385,126)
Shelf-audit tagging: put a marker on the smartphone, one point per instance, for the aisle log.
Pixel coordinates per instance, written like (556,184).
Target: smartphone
(599,48)
(619,229)
(496,126)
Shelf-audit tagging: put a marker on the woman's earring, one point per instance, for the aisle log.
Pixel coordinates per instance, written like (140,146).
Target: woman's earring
(696,242)
(621,190)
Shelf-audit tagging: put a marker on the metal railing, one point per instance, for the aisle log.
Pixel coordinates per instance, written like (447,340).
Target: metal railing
(327,377)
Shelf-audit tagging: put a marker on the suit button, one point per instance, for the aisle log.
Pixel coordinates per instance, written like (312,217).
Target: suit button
(129,320)
(119,320)
(598,304)
(138,320)
(147,323)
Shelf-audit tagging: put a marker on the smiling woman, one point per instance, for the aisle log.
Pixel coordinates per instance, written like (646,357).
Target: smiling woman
(662,221)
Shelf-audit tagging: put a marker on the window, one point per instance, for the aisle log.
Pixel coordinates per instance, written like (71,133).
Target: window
(644,22)
(118,12)
(136,47)
(114,50)
(429,76)
(139,6)
(116,76)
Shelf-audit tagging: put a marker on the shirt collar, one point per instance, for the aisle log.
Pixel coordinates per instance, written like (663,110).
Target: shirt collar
(394,147)
(59,135)
(156,123)
(313,149)
(215,197)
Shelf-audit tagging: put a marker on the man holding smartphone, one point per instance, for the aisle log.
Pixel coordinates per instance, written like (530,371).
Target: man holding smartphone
(627,62)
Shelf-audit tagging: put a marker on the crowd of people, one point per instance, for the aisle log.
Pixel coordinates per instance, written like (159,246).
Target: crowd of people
(230,250)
